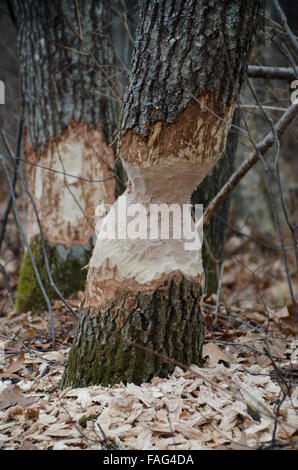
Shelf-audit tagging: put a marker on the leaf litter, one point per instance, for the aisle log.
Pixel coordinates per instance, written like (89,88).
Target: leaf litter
(243,397)
(184,411)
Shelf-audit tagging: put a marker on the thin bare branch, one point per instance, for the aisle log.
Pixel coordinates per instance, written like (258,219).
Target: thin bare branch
(250,161)
(285,24)
(280,73)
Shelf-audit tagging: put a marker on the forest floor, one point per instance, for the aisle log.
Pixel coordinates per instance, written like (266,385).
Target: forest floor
(244,397)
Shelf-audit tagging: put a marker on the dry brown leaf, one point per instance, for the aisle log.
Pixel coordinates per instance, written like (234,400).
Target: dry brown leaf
(61,430)
(14,366)
(159,427)
(144,439)
(104,420)
(27,445)
(215,353)
(12,396)
(32,413)
(135,413)
(188,431)
(141,393)
(10,414)
(122,431)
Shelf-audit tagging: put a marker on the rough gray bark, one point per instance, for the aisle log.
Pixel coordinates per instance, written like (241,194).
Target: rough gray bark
(184,50)
(172,45)
(108,357)
(58,84)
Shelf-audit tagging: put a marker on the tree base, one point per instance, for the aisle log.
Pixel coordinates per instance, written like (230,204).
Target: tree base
(167,321)
(66,269)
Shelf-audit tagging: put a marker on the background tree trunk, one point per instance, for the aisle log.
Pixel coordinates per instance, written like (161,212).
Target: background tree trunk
(215,233)
(70,116)
(189,61)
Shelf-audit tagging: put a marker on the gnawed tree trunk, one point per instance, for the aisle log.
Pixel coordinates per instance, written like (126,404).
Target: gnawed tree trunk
(189,61)
(70,114)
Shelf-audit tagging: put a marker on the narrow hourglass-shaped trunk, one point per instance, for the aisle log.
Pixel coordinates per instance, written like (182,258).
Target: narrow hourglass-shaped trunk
(189,61)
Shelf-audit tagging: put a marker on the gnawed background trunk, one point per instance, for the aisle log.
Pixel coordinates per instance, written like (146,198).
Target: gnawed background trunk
(189,61)
(70,116)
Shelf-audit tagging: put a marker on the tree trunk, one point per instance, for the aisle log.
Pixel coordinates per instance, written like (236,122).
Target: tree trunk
(215,234)
(70,111)
(189,61)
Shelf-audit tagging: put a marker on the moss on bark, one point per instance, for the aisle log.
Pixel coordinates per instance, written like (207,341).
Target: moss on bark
(168,321)
(66,269)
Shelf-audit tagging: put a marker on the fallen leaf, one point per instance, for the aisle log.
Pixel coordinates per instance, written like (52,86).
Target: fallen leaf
(61,430)
(27,445)
(60,446)
(14,366)
(104,420)
(12,396)
(84,398)
(10,414)
(215,353)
